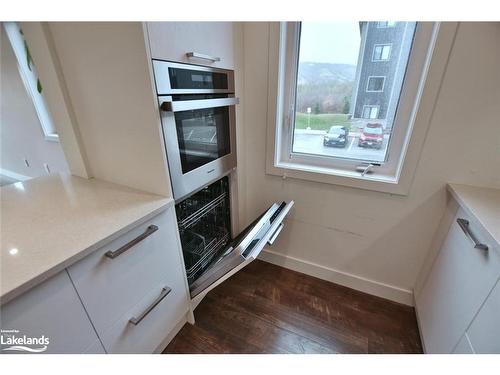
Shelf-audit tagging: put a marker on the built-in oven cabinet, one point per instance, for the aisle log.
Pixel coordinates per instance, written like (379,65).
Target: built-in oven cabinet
(201,43)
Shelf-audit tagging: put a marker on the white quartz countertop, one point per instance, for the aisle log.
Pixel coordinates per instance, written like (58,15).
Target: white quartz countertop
(482,203)
(50,222)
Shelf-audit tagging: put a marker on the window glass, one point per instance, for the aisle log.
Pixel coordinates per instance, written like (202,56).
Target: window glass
(340,82)
(381,52)
(375,84)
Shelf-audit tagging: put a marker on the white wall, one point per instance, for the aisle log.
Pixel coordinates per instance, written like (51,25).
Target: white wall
(21,133)
(106,70)
(378,238)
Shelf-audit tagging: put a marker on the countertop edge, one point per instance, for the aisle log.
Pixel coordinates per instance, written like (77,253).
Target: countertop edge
(48,273)
(466,207)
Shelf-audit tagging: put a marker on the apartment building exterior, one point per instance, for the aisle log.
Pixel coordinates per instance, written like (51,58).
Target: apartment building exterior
(379,71)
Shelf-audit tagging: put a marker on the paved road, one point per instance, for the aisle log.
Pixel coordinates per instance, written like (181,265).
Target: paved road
(313,144)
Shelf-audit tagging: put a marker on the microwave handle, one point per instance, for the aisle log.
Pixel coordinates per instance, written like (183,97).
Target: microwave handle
(189,105)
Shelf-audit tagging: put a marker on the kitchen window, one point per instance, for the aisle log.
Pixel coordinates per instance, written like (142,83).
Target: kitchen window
(381,52)
(29,76)
(375,84)
(326,80)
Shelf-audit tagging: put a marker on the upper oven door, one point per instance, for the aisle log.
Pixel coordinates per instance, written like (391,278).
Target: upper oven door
(199,133)
(176,78)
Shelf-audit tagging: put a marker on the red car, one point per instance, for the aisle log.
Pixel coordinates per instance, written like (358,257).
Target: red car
(372,136)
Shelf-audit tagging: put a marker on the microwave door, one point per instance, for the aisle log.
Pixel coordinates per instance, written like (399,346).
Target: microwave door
(243,250)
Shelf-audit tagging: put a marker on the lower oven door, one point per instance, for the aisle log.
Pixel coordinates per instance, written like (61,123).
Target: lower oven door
(243,250)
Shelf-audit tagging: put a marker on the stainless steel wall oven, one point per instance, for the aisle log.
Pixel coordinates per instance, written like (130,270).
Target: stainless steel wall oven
(198,122)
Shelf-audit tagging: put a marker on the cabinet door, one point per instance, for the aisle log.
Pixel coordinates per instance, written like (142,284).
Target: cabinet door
(460,279)
(484,332)
(174,40)
(53,310)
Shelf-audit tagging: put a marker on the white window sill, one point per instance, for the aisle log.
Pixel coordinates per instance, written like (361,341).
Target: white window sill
(354,179)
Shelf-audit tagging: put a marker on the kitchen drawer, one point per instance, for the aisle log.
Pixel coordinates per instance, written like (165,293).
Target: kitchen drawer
(484,332)
(149,333)
(461,278)
(172,40)
(51,309)
(111,287)
(464,346)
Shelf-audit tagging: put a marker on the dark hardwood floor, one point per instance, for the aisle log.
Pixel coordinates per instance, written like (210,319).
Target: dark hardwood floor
(269,309)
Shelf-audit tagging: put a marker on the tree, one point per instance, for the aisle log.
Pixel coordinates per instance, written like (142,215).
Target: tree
(347,105)
(316,108)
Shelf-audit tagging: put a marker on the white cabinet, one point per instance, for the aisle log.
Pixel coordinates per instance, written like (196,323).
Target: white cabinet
(166,307)
(484,332)
(51,309)
(174,40)
(130,296)
(125,277)
(109,287)
(461,278)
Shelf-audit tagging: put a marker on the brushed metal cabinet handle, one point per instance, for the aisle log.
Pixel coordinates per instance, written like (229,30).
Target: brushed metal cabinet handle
(149,230)
(202,56)
(464,224)
(164,292)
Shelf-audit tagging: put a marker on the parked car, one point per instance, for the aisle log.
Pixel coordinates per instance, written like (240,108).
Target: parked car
(372,136)
(336,136)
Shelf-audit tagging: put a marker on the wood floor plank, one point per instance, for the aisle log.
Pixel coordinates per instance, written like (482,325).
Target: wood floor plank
(269,309)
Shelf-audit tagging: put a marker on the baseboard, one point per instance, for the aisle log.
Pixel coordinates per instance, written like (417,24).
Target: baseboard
(13,175)
(362,284)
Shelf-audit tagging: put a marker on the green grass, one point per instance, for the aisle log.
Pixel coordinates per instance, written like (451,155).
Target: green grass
(321,121)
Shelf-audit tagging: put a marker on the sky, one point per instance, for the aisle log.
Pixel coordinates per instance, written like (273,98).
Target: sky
(330,42)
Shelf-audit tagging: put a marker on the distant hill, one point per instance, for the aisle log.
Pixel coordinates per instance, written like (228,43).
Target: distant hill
(314,73)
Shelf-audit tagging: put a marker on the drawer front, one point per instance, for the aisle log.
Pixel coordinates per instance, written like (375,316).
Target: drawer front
(459,282)
(51,309)
(158,320)
(484,332)
(111,287)
(463,346)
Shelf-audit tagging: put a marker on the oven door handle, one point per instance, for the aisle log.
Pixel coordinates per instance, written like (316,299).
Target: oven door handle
(189,105)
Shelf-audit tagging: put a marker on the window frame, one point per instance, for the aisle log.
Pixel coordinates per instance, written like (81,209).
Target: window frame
(17,41)
(381,54)
(319,168)
(368,83)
